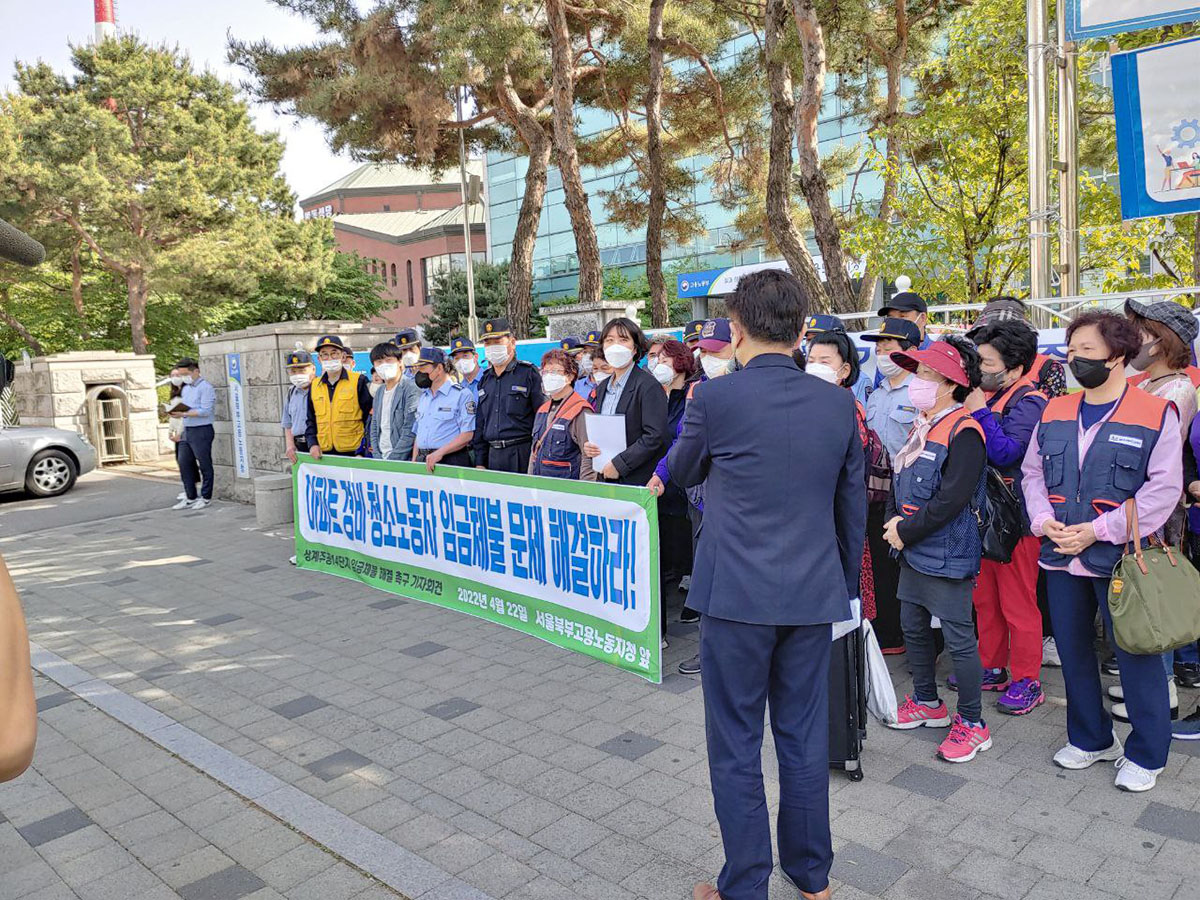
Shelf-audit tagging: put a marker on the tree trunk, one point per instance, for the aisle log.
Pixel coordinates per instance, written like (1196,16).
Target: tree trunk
(137,291)
(563,92)
(77,288)
(813,183)
(16,325)
(779,167)
(519,293)
(659,308)
(895,62)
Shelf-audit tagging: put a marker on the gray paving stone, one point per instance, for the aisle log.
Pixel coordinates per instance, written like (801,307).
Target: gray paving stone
(679,684)
(930,782)
(258,570)
(223,619)
(630,745)
(192,563)
(228,884)
(865,869)
(50,701)
(293,709)
(452,708)
(390,603)
(53,827)
(305,595)
(161,671)
(423,649)
(338,764)
(120,582)
(1171,822)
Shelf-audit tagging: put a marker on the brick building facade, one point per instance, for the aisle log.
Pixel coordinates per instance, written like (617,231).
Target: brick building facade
(406,225)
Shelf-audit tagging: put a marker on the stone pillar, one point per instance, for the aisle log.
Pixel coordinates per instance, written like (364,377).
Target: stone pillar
(264,385)
(52,392)
(578,319)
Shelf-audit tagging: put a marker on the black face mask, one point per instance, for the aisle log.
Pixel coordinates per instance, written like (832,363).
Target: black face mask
(1090,373)
(423,380)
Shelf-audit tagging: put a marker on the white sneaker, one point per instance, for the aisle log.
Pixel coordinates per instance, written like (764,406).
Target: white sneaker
(292,560)
(1133,778)
(685,583)
(1121,713)
(201,503)
(1071,757)
(182,495)
(1116,692)
(1050,655)
(665,645)
(182,504)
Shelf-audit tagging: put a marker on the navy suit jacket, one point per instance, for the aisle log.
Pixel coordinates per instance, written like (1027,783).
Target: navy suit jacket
(785,504)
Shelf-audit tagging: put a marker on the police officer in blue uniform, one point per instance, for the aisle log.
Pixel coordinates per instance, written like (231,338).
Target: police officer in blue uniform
(445,421)
(466,362)
(409,343)
(585,384)
(692,333)
(510,395)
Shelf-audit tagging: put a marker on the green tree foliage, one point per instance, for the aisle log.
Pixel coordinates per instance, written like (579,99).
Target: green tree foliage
(448,314)
(156,174)
(351,294)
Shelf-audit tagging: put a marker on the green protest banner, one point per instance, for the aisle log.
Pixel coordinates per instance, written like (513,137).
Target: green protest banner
(574,563)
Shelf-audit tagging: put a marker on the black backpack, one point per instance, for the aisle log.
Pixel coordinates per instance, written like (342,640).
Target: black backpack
(1001,522)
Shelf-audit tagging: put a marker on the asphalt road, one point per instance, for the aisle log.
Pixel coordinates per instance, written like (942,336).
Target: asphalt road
(98,495)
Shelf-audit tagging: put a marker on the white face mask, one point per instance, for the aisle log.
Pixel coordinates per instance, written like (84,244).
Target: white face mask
(585,365)
(714,366)
(466,365)
(388,371)
(331,366)
(887,366)
(374,388)
(553,382)
(696,353)
(177,380)
(600,376)
(664,373)
(299,379)
(411,357)
(618,355)
(188,379)
(651,362)
(822,371)
(497,354)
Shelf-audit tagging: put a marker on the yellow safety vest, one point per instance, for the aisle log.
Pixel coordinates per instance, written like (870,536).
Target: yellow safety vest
(339,418)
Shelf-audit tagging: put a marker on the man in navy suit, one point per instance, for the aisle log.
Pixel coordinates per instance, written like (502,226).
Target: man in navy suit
(778,560)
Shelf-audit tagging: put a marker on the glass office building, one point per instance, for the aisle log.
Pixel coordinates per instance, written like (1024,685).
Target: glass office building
(555,264)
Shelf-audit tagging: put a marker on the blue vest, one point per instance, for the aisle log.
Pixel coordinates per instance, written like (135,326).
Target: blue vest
(1112,472)
(555,453)
(954,550)
(1011,474)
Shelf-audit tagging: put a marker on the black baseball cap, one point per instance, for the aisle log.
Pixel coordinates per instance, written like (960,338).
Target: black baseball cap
(494,328)
(905,301)
(895,330)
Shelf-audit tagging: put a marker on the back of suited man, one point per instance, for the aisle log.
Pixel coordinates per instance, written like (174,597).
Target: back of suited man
(778,559)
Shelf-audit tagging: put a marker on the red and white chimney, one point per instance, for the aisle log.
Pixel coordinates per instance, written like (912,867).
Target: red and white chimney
(106,20)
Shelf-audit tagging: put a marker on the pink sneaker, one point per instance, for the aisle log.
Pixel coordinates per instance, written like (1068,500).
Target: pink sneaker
(964,741)
(912,714)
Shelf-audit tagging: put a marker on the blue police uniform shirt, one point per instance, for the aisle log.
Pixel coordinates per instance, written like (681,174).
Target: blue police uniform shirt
(473,385)
(202,397)
(890,414)
(443,415)
(295,412)
(862,388)
(584,387)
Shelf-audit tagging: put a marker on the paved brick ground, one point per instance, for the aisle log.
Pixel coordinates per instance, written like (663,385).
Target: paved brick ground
(526,771)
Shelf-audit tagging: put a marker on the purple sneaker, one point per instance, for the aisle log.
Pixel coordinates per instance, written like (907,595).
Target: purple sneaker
(1023,696)
(993,680)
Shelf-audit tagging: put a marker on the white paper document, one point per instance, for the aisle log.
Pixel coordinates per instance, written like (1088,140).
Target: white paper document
(607,433)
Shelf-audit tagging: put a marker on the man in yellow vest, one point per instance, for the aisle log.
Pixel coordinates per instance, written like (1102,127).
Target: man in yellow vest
(339,403)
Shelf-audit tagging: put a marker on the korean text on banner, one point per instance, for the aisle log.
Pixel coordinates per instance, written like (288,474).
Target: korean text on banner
(1157,104)
(574,563)
(237,412)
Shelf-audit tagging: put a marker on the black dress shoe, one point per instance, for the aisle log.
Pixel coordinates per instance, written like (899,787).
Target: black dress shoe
(688,616)
(1109,666)
(1188,674)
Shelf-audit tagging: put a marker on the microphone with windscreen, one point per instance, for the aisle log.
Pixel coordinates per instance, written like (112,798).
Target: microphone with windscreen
(16,246)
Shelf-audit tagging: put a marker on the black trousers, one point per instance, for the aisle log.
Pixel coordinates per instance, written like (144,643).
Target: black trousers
(192,473)
(457,458)
(886,569)
(513,459)
(196,450)
(675,557)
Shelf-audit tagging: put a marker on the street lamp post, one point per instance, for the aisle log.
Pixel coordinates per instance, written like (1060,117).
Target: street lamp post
(1039,146)
(472,323)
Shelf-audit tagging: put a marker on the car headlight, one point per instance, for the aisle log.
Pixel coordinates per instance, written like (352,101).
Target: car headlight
(83,436)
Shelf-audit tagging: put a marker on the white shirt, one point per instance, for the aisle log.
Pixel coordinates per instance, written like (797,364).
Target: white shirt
(385,423)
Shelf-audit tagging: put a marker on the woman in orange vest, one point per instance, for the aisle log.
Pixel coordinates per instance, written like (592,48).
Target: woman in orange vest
(558,428)
(1008,407)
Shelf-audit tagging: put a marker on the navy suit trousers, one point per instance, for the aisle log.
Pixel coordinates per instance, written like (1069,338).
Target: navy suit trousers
(745,667)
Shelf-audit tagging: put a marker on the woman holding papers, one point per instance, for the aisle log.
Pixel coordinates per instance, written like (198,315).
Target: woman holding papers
(634,393)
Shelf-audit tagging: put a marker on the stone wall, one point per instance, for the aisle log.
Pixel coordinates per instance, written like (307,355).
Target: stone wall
(52,391)
(578,319)
(265,385)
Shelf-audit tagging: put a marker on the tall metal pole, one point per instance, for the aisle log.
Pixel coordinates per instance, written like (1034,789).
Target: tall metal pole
(472,323)
(1038,138)
(1066,71)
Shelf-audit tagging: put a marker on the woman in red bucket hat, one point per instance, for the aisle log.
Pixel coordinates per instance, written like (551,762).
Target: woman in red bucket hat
(937,493)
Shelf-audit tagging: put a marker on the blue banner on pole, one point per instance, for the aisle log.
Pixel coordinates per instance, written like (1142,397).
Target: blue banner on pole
(1156,98)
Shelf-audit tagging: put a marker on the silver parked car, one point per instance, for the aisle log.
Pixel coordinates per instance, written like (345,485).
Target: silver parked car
(43,461)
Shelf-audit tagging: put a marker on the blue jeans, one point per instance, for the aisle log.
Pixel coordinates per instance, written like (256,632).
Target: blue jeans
(1073,603)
